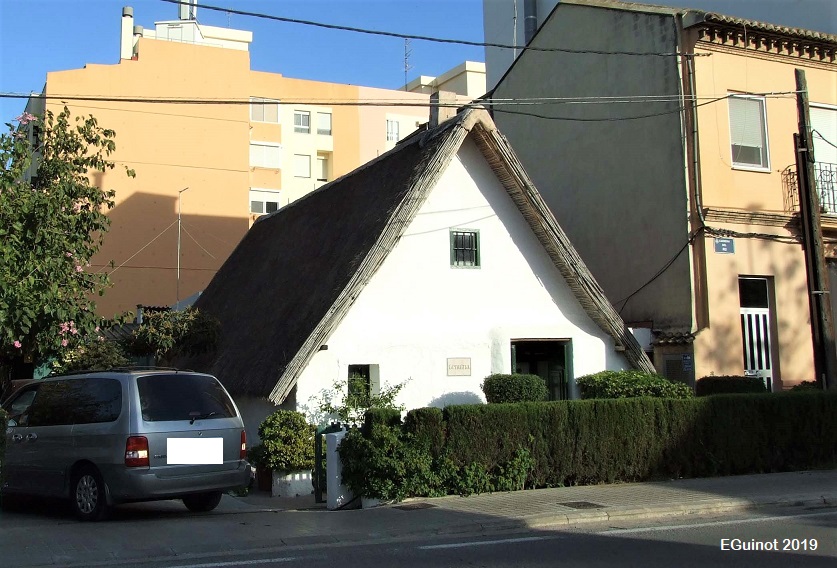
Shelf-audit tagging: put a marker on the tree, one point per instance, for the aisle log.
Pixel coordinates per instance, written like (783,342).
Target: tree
(168,334)
(51,224)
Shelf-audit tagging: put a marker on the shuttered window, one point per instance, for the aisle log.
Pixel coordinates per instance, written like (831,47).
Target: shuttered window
(824,127)
(265,155)
(748,132)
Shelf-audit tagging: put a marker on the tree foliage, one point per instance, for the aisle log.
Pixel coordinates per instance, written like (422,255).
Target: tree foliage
(168,334)
(51,224)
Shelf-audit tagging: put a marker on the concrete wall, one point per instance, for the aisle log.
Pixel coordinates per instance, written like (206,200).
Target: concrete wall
(617,186)
(417,311)
(503,21)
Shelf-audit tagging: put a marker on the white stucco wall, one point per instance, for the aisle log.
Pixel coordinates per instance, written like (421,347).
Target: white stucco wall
(417,311)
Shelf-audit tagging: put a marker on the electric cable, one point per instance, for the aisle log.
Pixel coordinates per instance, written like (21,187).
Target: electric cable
(433,39)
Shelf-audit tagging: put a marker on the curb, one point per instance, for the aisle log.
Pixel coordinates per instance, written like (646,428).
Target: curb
(680,510)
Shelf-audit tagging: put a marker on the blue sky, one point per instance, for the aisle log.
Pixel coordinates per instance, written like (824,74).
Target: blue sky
(37,36)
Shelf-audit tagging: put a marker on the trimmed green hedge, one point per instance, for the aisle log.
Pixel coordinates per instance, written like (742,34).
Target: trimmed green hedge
(480,448)
(516,387)
(727,384)
(630,384)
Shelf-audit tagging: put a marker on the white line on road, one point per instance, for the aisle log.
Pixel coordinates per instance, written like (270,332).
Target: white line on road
(486,542)
(715,523)
(237,562)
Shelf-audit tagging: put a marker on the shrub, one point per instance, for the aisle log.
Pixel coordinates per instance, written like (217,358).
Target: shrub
(499,447)
(94,354)
(630,384)
(288,441)
(723,384)
(514,388)
(805,386)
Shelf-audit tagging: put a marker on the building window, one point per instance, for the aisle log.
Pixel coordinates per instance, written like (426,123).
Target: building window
(364,382)
(748,132)
(465,248)
(392,131)
(322,167)
(302,166)
(264,110)
(324,123)
(265,155)
(263,201)
(302,121)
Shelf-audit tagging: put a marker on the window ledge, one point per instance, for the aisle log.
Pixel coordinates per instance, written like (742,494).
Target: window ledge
(752,169)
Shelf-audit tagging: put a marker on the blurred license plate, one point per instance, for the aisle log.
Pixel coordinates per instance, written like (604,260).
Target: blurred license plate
(194,451)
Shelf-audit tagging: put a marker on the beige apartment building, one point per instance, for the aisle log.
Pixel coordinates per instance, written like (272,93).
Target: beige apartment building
(214,145)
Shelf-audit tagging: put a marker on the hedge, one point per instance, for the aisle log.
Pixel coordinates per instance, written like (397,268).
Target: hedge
(517,387)
(478,448)
(630,384)
(723,384)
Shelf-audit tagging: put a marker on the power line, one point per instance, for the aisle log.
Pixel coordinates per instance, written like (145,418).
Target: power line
(434,39)
(491,103)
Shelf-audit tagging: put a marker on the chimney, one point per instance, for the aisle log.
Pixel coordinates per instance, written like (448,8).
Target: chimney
(126,38)
(442,107)
(188,10)
(530,19)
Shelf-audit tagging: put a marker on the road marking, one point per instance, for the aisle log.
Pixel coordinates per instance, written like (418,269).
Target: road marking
(715,524)
(486,542)
(238,562)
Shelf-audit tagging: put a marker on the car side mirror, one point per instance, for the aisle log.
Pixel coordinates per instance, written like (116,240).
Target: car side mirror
(11,423)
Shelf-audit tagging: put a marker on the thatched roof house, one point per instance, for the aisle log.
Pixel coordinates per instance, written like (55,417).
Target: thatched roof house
(316,265)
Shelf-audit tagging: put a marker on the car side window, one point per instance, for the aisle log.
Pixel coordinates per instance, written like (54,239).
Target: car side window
(19,406)
(77,401)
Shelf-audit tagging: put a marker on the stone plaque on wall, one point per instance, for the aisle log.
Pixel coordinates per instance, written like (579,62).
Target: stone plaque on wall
(459,366)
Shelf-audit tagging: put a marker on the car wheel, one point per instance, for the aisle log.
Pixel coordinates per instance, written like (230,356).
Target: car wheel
(87,494)
(202,502)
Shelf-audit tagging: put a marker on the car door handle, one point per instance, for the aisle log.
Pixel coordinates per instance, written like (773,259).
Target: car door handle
(17,437)
(31,437)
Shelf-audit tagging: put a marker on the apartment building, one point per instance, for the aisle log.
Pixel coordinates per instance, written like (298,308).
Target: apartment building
(214,145)
(664,147)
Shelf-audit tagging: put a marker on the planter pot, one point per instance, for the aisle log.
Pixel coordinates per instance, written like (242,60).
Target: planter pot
(291,483)
(264,479)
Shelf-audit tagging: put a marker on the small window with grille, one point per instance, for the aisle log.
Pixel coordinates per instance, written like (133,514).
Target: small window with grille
(464,248)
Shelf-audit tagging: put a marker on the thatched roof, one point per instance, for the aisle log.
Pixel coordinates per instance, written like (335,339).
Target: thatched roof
(296,273)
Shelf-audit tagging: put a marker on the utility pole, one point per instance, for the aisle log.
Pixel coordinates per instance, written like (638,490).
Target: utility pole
(179,224)
(822,331)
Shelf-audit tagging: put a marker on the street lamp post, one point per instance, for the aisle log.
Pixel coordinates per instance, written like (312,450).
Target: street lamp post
(179,223)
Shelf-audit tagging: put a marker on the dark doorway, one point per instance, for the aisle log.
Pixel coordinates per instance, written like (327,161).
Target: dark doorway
(550,359)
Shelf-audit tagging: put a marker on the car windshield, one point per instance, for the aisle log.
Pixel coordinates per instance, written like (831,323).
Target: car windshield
(183,397)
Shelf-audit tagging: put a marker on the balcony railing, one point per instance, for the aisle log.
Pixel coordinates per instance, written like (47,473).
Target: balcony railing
(825,176)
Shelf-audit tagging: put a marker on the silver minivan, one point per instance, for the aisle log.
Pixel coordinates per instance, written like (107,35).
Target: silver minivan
(125,435)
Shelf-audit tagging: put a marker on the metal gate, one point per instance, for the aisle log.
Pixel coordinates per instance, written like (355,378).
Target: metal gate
(755,332)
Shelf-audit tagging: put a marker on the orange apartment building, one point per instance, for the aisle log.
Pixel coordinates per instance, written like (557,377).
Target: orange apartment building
(675,177)
(214,145)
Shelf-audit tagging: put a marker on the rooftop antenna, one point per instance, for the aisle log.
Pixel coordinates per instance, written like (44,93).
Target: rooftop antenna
(407,53)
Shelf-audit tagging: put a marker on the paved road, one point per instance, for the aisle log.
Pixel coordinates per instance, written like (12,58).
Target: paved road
(157,535)
(705,542)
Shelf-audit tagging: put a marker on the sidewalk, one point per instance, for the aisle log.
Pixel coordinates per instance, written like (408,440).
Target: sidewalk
(542,508)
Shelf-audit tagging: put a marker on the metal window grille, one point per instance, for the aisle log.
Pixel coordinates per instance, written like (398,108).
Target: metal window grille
(464,248)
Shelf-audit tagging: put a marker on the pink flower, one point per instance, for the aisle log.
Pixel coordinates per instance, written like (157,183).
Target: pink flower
(26,118)
(68,254)
(64,343)
(97,329)
(79,268)
(65,327)
(17,345)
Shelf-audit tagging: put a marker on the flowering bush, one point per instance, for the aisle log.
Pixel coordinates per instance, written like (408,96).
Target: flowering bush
(52,221)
